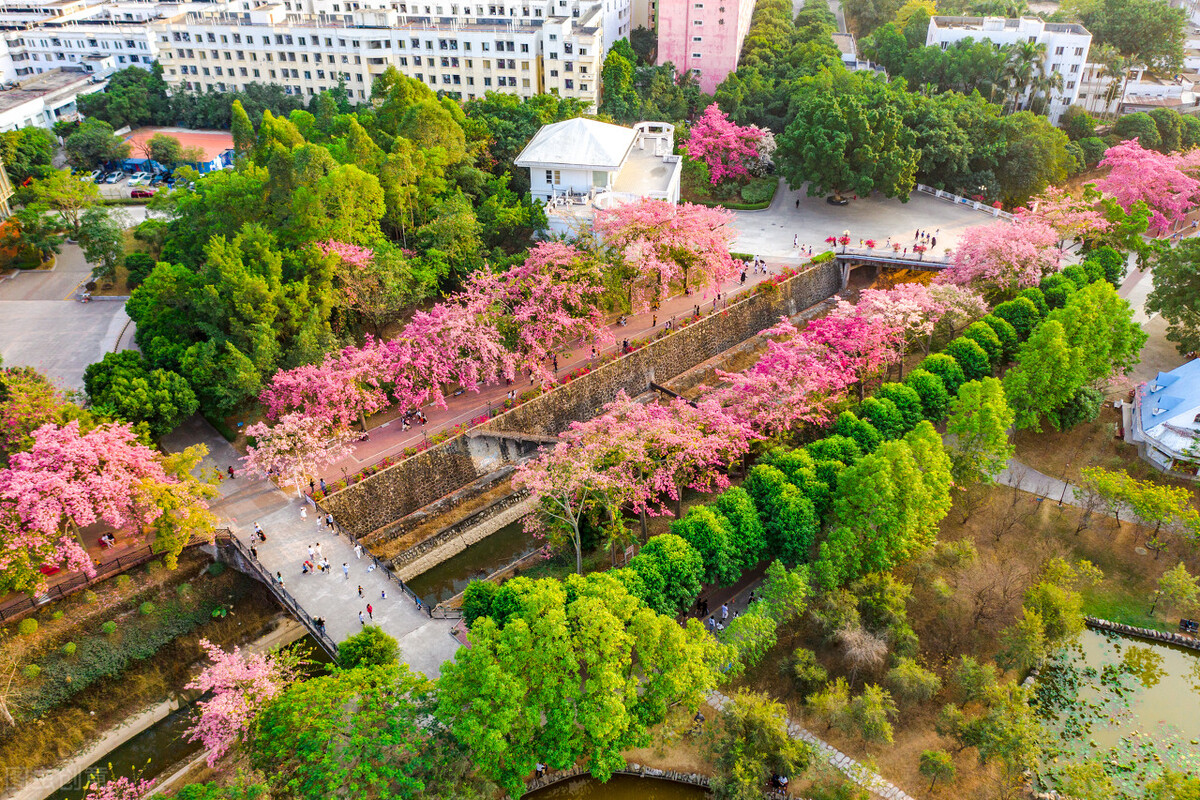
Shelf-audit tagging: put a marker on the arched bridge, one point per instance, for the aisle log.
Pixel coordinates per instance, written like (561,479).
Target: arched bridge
(850,257)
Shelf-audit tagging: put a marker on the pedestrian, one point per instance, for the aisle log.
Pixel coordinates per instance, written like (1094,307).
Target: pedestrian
(370,611)
(258,530)
(933,242)
(724,611)
(311,553)
(795,240)
(357,550)
(303,512)
(539,770)
(906,251)
(797,203)
(329,521)
(362,620)
(360,594)
(654,321)
(419,606)
(704,607)
(323,489)
(346,570)
(312,487)
(751,600)
(318,546)
(712,623)
(383,594)
(304,568)
(720,626)
(254,552)
(230,470)
(917,235)
(743,281)
(279,577)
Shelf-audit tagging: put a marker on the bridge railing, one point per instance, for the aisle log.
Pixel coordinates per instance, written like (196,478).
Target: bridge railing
(887,254)
(965,201)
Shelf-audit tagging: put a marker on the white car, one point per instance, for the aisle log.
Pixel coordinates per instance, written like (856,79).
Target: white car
(139,178)
(97,175)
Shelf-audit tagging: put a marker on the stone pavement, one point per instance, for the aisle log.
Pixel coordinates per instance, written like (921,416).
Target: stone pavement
(425,643)
(856,772)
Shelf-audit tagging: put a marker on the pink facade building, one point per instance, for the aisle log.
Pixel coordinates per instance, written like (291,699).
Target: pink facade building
(704,36)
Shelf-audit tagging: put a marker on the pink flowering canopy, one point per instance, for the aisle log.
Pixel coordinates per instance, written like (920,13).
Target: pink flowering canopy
(669,245)
(294,447)
(1164,182)
(120,789)
(1003,258)
(1073,218)
(727,149)
(241,683)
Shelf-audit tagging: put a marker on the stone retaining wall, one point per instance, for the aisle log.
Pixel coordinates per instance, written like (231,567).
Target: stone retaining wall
(402,488)
(452,540)
(690,778)
(411,522)
(1143,633)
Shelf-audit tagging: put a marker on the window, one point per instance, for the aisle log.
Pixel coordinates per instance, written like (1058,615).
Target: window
(697,38)
(1078,51)
(1058,51)
(1074,68)
(583,87)
(697,22)
(570,84)
(696,55)
(1070,84)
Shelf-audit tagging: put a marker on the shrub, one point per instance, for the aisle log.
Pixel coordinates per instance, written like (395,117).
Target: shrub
(154,567)
(183,589)
(759,191)
(147,608)
(1021,313)
(216,568)
(109,627)
(946,368)
(138,266)
(1035,296)
(90,597)
(906,400)
(369,647)
(884,416)
(27,626)
(982,334)
(862,432)
(932,391)
(68,649)
(1093,149)
(477,600)
(57,615)
(1058,289)
(123,581)
(31,671)
(1005,333)
(971,357)
(1112,262)
(1077,275)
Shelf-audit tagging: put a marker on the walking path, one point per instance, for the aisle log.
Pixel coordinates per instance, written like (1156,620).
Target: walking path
(856,772)
(425,644)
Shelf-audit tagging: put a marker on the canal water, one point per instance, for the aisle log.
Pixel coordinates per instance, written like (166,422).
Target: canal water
(1131,705)
(619,787)
(477,561)
(161,747)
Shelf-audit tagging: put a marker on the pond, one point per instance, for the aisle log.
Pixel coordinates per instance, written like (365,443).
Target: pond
(159,748)
(619,787)
(1130,705)
(478,561)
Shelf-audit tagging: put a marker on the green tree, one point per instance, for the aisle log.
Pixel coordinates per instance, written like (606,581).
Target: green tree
(748,538)
(93,144)
(1149,32)
(1023,644)
(750,744)
(580,674)
(477,600)
(932,391)
(807,671)
(67,195)
(712,537)
(1180,589)
(1077,123)
(1047,374)
(906,400)
(831,703)
(164,149)
(242,128)
(672,572)
(27,153)
(1008,730)
(133,97)
(1099,325)
(937,765)
(620,98)
(871,712)
(1006,334)
(123,385)
(947,369)
(983,335)
(370,647)
(359,732)
(974,680)
(911,682)
(1036,156)
(1174,786)
(102,238)
(1176,294)
(979,422)
(1021,313)
(849,139)
(970,356)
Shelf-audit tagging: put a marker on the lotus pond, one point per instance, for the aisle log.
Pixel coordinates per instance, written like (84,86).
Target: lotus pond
(1130,705)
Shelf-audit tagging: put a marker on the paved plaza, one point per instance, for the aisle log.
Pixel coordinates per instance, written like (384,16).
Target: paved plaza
(769,233)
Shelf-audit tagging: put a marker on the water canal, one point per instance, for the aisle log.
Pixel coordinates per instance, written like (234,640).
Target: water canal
(478,561)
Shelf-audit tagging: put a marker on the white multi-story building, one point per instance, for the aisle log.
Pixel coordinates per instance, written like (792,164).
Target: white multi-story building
(1066,44)
(1139,89)
(522,47)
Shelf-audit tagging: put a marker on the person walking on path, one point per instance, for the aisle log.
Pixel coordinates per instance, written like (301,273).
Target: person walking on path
(383,594)
(323,489)
(361,620)
(724,611)
(312,553)
(346,570)
(318,546)
(360,594)
(712,623)
(279,577)
(254,552)
(370,611)
(357,550)
(303,512)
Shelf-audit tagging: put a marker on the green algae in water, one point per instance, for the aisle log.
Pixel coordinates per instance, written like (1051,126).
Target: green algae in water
(1130,705)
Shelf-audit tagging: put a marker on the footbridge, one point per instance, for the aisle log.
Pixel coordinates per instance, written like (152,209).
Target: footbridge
(851,257)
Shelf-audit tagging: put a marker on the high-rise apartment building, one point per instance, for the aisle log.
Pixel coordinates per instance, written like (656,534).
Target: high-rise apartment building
(703,36)
(465,49)
(1066,47)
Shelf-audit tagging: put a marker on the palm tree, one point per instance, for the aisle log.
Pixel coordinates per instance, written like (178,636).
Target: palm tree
(1117,72)
(1041,88)
(1025,61)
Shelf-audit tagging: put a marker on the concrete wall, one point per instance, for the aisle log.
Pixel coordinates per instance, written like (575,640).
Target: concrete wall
(453,539)
(401,489)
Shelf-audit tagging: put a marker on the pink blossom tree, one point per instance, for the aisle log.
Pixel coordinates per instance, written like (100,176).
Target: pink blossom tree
(1002,258)
(240,682)
(1163,181)
(726,148)
(1073,218)
(120,789)
(792,383)
(294,448)
(69,480)
(665,245)
(866,345)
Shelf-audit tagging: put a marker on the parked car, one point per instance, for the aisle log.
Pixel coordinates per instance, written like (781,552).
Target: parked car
(139,178)
(837,200)
(156,180)
(115,177)
(142,193)
(97,175)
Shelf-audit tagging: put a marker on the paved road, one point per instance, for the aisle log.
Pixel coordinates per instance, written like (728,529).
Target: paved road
(425,643)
